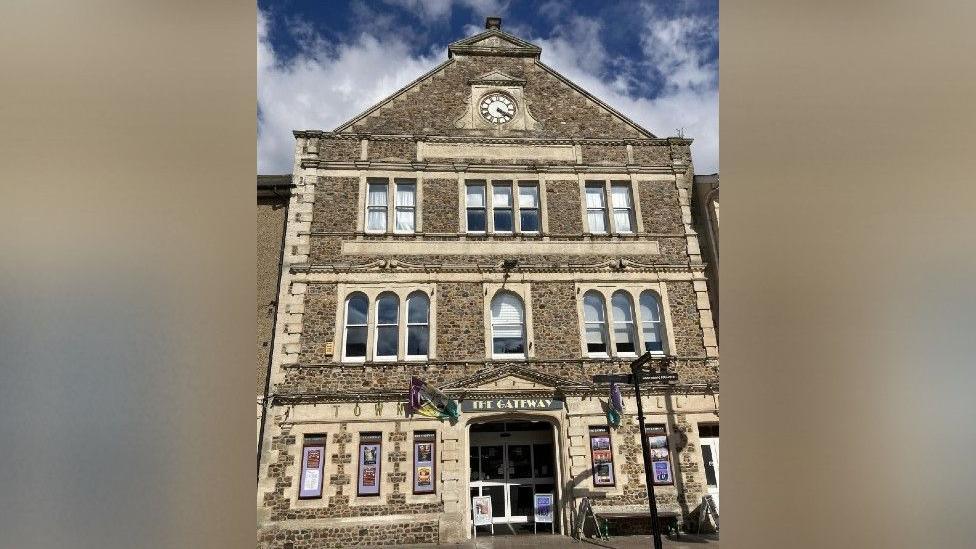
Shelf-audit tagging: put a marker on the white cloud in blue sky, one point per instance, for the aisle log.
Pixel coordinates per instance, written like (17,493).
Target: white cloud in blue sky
(327,82)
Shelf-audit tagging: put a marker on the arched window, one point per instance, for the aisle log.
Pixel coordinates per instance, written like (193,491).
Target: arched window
(652,330)
(507,326)
(418,325)
(623,323)
(595,323)
(357,307)
(387,328)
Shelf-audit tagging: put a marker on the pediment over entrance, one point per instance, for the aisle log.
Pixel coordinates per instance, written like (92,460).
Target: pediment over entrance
(513,378)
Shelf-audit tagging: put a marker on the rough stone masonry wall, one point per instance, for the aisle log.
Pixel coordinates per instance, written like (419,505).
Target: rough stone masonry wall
(398,150)
(685,319)
(609,155)
(659,207)
(335,204)
(555,322)
(563,207)
(318,327)
(394,455)
(434,105)
(460,321)
(339,150)
(440,207)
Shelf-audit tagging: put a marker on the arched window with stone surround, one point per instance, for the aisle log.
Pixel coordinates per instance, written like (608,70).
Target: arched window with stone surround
(387,327)
(624,336)
(356,327)
(652,325)
(507,326)
(418,325)
(595,324)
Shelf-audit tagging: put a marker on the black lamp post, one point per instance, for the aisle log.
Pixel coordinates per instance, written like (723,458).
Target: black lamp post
(635,368)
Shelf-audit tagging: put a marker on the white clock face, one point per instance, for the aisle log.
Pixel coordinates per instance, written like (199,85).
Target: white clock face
(497,108)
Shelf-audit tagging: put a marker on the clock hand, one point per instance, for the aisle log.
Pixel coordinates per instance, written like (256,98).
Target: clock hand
(496,110)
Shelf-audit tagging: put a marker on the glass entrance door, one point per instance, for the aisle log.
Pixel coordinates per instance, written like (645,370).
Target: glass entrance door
(512,472)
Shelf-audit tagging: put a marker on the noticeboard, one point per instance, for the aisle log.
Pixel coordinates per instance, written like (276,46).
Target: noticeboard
(481,510)
(543,507)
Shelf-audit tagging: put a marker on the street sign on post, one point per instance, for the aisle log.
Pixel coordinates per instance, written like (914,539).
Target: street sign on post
(654,378)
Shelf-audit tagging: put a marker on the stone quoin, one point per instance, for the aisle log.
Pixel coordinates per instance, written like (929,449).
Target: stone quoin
(502,235)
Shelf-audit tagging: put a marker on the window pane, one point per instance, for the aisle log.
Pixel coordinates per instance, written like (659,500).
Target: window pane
(476,196)
(530,220)
(357,310)
(528,196)
(596,340)
(594,196)
(503,220)
(376,219)
(650,309)
(417,338)
(377,194)
(596,221)
(620,196)
(501,196)
(386,310)
(406,194)
(417,306)
(593,310)
(622,220)
(356,341)
(405,220)
(508,345)
(386,341)
(623,333)
(506,308)
(622,311)
(476,220)
(651,344)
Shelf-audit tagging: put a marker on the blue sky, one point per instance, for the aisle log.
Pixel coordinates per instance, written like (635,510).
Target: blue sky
(320,63)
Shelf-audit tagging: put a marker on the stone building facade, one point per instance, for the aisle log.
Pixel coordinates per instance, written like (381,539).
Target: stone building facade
(499,233)
(705,212)
(273,193)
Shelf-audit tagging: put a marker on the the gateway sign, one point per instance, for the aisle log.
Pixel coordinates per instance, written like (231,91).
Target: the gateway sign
(508,404)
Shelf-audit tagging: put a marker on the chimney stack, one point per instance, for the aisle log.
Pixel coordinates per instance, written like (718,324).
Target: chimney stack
(493,23)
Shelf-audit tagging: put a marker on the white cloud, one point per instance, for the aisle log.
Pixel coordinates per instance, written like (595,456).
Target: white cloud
(688,102)
(324,85)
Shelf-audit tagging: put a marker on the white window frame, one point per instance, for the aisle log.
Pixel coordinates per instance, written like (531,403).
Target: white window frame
(519,185)
(586,208)
(629,209)
(345,326)
(375,326)
(486,198)
(509,184)
(408,324)
(370,182)
(402,290)
(398,208)
(608,183)
(604,325)
(515,183)
(607,289)
(661,328)
(633,325)
(391,182)
(524,291)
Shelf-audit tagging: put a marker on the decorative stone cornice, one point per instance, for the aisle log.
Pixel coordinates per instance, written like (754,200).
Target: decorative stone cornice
(477,167)
(395,265)
(514,140)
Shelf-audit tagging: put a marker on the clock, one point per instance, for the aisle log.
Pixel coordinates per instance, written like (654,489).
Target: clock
(497,108)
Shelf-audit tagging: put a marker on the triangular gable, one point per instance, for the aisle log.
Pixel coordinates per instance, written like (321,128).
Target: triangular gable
(512,377)
(430,104)
(493,41)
